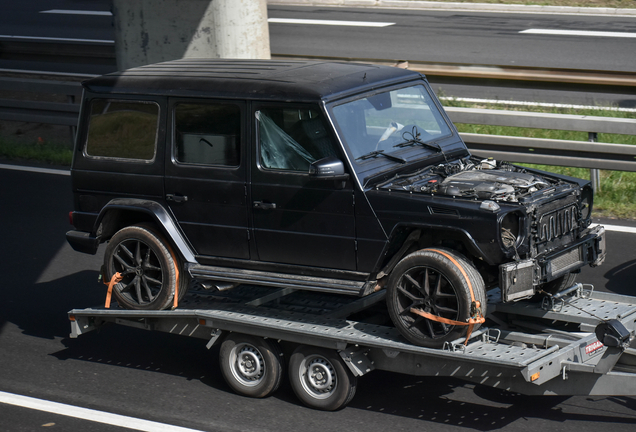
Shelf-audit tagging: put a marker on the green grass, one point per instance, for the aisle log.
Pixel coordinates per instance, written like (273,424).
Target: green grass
(55,154)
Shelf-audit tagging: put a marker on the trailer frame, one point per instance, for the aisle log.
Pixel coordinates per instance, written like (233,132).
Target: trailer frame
(529,347)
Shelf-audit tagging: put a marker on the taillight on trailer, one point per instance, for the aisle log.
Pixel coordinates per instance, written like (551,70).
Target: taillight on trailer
(70,217)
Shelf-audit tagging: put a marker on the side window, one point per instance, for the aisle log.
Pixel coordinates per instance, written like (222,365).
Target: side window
(292,138)
(122,129)
(207,134)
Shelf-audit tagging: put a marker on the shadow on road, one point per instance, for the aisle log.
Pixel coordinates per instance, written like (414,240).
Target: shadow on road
(620,279)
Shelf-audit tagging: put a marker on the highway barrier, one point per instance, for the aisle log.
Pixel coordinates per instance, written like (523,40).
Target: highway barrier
(590,154)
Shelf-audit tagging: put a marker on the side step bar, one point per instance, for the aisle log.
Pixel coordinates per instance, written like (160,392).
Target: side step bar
(279,280)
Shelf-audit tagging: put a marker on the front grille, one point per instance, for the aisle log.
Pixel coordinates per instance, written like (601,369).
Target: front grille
(556,224)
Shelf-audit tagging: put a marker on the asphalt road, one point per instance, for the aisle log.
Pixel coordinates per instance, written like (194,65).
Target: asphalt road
(176,381)
(432,36)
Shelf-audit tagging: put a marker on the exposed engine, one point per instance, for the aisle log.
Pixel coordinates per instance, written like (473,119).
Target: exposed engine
(480,179)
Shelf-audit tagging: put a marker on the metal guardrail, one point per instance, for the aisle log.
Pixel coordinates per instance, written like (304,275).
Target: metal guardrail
(593,155)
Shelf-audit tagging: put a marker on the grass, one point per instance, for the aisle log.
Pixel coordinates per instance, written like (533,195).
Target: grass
(55,154)
(623,4)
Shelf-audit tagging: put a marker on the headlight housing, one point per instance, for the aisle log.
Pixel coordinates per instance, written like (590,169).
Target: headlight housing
(510,232)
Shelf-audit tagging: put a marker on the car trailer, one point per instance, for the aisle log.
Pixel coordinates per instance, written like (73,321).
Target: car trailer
(578,342)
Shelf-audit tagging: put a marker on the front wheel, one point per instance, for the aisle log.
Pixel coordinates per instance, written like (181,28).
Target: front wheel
(559,284)
(437,282)
(320,379)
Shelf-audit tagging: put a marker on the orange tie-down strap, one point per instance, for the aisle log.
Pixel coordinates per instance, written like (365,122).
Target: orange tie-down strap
(475,308)
(117,277)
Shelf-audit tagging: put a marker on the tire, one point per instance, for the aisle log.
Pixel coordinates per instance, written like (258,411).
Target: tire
(252,366)
(320,379)
(559,284)
(147,266)
(433,281)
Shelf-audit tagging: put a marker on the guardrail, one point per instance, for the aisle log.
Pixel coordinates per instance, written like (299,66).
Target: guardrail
(591,154)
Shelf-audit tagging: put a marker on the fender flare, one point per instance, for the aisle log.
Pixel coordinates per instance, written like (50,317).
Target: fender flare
(158,213)
(468,240)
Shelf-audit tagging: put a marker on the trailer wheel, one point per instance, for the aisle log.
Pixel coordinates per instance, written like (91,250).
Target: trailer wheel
(147,266)
(435,281)
(252,366)
(320,379)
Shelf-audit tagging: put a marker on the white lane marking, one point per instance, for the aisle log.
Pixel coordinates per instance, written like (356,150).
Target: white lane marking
(330,22)
(537,104)
(579,33)
(35,169)
(89,414)
(618,228)
(54,39)
(77,12)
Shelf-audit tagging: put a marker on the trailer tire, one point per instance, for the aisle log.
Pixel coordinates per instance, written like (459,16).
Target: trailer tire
(320,378)
(251,365)
(147,266)
(438,282)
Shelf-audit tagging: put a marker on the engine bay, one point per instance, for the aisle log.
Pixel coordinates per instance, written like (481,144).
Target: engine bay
(483,179)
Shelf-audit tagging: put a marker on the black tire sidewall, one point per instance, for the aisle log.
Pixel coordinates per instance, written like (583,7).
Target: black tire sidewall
(272,360)
(346,381)
(433,259)
(155,242)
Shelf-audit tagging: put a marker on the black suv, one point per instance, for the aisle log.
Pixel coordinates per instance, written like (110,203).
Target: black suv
(343,178)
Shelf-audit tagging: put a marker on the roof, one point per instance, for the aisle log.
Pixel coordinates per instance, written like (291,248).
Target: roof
(253,79)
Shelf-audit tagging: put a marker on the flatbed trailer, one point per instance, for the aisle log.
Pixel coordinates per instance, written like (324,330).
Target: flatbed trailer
(579,342)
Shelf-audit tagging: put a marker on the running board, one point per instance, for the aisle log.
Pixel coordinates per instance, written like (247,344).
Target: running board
(279,280)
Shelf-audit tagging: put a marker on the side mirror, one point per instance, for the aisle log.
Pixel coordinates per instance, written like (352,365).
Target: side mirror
(329,168)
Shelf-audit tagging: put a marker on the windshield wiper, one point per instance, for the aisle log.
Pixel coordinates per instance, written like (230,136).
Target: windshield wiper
(376,153)
(415,139)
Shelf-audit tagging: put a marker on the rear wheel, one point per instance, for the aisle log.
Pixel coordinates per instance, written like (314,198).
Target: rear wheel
(147,267)
(437,282)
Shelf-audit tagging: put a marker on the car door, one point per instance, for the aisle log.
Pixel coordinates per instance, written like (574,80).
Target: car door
(299,219)
(205,179)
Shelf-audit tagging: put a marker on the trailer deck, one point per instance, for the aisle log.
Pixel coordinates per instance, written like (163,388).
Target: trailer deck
(548,347)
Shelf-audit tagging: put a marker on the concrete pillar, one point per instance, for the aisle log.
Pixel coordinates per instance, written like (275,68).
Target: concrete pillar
(152,31)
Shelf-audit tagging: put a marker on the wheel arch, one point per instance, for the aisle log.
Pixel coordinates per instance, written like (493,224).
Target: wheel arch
(404,239)
(122,212)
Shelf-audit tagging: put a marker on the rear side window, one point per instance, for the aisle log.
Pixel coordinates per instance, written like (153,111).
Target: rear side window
(122,129)
(207,133)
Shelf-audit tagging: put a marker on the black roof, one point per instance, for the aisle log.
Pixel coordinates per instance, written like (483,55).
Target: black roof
(253,79)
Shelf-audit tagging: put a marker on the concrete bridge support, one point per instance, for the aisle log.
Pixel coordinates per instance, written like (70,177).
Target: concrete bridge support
(151,31)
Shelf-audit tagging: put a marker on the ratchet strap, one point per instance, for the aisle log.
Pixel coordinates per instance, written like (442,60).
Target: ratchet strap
(476,317)
(175,301)
(117,277)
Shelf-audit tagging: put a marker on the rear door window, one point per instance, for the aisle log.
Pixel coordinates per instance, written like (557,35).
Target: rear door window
(122,129)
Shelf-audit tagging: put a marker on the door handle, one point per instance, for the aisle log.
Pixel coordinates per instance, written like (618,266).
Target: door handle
(264,206)
(176,198)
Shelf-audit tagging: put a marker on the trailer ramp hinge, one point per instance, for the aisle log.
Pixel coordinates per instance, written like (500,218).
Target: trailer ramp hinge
(357,360)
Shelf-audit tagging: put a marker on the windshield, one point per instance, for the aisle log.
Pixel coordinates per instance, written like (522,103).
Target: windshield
(385,123)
